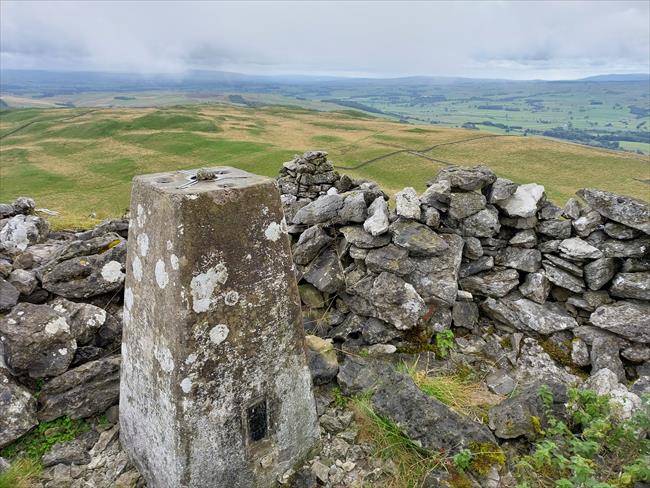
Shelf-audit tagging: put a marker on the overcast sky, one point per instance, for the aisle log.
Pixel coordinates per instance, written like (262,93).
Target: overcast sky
(522,40)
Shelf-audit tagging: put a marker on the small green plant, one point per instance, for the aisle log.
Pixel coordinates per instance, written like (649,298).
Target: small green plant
(21,473)
(39,441)
(593,448)
(463,459)
(340,400)
(444,343)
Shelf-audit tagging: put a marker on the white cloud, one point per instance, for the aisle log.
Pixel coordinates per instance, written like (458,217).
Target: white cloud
(486,39)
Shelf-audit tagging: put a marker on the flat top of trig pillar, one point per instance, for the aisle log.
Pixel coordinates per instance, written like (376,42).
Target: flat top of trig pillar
(201,180)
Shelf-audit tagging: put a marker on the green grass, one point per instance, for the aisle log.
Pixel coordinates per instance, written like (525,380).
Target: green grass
(164,121)
(327,139)
(412,463)
(21,474)
(458,392)
(40,440)
(81,162)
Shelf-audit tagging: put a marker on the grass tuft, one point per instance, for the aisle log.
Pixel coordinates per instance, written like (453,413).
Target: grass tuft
(458,391)
(21,474)
(411,463)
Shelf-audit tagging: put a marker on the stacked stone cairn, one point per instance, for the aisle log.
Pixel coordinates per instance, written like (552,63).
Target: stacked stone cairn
(533,293)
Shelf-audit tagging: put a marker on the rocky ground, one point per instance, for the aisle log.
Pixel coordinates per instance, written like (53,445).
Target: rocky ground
(478,284)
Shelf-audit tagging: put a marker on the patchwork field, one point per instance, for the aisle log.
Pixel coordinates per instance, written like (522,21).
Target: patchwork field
(81,161)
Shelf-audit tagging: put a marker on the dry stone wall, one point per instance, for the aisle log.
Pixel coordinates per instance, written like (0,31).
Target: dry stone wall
(472,251)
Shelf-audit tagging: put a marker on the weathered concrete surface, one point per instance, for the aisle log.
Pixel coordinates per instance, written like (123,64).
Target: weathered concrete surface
(212,336)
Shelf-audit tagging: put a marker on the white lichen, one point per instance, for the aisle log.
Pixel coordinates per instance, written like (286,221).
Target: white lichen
(128,298)
(274,231)
(219,333)
(186,385)
(57,325)
(162,278)
(112,272)
(142,217)
(143,244)
(173,259)
(136,267)
(164,358)
(231,298)
(204,284)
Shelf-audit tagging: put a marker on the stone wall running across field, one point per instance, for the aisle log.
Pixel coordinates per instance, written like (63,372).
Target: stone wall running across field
(532,292)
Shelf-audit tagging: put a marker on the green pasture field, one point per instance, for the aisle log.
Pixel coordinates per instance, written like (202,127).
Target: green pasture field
(80,161)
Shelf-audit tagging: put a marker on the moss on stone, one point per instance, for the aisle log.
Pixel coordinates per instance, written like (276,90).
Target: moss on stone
(484,456)
(562,357)
(458,480)
(537,424)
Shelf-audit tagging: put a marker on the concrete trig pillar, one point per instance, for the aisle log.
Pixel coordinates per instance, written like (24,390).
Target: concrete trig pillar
(215,391)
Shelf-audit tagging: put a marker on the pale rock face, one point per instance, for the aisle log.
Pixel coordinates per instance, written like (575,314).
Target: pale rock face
(354,208)
(464,204)
(623,402)
(631,285)
(32,336)
(534,364)
(22,231)
(320,210)
(629,211)
(524,202)
(377,222)
(529,316)
(18,408)
(536,287)
(466,178)
(408,204)
(625,318)
(579,249)
(580,352)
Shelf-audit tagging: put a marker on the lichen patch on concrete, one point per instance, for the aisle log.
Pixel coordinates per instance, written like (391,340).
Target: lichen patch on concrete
(219,333)
(275,230)
(143,244)
(204,284)
(162,278)
(186,385)
(128,298)
(141,216)
(231,298)
(164,358)
(136,267)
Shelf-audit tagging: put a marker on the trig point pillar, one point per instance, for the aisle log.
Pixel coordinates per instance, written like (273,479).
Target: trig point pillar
(215,390)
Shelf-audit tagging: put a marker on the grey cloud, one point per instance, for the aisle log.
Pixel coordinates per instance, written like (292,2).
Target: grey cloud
(505,39)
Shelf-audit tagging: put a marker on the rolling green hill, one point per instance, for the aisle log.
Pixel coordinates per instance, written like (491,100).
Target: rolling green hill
(81,161)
